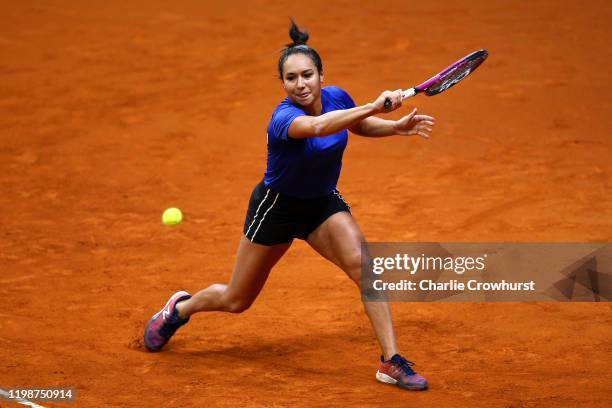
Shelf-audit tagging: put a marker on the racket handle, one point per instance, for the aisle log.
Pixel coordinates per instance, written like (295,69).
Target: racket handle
(409,93)
(405,95)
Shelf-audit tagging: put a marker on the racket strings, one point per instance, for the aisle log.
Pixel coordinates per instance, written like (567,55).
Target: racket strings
(453,76)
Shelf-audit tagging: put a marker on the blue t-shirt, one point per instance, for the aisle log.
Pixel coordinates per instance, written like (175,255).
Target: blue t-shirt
(309,167)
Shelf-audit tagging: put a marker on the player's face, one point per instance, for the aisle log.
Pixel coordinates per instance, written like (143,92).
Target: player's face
(301,80)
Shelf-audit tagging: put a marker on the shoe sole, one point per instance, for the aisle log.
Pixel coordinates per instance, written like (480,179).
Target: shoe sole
(384,378)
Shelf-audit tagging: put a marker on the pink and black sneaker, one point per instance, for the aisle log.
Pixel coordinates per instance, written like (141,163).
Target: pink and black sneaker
(164,323)
(398,371)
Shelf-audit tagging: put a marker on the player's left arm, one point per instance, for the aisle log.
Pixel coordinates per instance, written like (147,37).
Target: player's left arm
(410,125)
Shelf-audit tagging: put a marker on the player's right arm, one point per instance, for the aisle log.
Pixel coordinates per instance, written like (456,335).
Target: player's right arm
(333,122)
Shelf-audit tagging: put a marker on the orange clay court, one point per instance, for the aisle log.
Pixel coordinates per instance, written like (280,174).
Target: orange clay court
(112,111)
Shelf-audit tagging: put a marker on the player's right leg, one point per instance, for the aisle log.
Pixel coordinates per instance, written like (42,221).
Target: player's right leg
(251,269)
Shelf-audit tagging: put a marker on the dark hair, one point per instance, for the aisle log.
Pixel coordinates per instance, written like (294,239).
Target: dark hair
(298,46)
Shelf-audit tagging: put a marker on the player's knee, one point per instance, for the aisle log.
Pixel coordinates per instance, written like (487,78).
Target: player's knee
(236,305)
(352,265)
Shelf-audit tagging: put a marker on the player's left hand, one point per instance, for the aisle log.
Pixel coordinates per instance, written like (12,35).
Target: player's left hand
(413,124)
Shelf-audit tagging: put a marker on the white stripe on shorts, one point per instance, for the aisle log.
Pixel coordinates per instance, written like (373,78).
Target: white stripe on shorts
(336,192)
(257,212)
(264,216)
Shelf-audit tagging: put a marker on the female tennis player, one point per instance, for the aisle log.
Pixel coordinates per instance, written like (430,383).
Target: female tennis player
(298,198)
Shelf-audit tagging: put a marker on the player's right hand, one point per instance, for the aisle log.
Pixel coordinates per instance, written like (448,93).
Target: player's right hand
(394,96)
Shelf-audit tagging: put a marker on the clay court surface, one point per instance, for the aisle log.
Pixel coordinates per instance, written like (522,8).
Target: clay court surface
(111,112)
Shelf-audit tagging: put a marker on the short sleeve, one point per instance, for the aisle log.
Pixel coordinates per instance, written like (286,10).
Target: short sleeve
(348,101)
(282,117)
(343,99)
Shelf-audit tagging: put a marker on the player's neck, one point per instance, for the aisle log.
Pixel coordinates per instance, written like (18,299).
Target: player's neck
(315,108)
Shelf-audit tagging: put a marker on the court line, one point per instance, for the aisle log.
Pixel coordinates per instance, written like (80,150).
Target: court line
(19,400)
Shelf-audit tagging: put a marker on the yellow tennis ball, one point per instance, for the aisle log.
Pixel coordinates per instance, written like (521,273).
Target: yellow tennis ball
(172,216)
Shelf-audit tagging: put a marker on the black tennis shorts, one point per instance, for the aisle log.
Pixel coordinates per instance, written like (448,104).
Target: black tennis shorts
(273,218)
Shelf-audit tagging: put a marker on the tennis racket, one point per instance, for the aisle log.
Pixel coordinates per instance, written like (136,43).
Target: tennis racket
(447,77)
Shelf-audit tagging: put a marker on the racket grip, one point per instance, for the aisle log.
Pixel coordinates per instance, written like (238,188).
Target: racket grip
(408,93)
(405,95)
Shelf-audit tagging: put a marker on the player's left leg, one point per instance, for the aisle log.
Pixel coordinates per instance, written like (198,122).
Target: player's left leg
(339,240)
